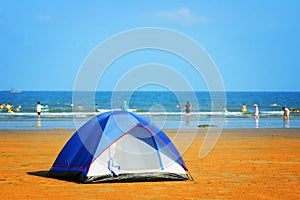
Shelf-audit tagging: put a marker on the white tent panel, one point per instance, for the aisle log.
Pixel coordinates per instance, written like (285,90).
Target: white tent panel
(170,165)
(100,165)
(132,155)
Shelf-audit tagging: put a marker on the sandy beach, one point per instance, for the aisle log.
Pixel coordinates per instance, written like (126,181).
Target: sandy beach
(244,164)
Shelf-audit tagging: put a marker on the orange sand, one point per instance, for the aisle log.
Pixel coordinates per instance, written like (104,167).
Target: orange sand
(245,164)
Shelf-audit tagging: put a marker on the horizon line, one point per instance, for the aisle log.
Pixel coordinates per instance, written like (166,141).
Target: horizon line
(19,91)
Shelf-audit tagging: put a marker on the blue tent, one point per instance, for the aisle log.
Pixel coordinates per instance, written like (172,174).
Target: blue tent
(119,146)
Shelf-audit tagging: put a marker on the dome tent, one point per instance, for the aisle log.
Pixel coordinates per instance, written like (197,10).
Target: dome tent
(119,146)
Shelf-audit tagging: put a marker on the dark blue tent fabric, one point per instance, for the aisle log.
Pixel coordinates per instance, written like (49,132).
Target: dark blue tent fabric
(99,133)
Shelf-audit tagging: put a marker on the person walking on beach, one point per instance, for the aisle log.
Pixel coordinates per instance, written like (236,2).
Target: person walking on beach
(256,113)
(38,109)
(188,108)
(286,113)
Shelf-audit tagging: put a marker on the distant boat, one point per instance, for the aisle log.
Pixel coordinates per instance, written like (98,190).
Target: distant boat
(15,91)
(274,105)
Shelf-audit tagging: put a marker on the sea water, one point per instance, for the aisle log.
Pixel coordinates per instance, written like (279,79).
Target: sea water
(164,108)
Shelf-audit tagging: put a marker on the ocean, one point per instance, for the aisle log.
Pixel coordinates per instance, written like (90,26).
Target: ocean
(165,109)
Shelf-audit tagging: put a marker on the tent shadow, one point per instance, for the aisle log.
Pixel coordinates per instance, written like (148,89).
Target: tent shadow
(45,174)
(39,173)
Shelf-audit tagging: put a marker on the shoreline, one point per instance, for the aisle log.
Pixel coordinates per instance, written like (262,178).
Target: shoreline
(167,130)
(227,123)
(245,163)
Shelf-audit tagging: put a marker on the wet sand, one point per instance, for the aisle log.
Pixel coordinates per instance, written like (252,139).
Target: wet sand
(244,164)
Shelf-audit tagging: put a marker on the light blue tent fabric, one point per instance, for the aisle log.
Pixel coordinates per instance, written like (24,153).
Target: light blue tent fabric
(119,146)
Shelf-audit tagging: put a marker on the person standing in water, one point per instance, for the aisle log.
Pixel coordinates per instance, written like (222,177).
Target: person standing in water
(225,112)
(38,109)
(244,108)
(286,113)
(125,106)
(188,108)
(256,113)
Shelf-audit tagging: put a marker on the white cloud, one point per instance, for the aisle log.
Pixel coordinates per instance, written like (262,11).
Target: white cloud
(182,16)
(44,18)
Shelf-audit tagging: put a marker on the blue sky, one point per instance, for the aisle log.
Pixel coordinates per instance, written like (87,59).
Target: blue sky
(255,44)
